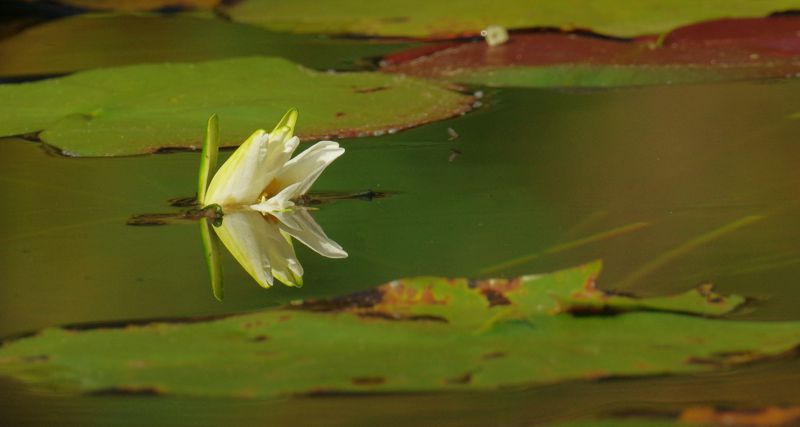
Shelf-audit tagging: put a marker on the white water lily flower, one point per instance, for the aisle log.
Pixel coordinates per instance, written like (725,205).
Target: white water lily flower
(256,188)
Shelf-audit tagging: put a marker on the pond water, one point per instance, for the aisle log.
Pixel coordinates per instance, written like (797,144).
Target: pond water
(670,186)
(773,384)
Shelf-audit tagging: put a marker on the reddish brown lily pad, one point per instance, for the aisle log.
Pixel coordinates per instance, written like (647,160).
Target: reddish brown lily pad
(718,50)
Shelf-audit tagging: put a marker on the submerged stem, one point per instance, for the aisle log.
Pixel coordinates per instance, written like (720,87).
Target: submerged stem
(213,213)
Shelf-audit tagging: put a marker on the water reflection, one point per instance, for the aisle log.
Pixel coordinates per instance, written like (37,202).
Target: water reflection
(262,243)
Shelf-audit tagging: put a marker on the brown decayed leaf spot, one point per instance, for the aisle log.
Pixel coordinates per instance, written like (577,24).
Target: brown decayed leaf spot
(771,416)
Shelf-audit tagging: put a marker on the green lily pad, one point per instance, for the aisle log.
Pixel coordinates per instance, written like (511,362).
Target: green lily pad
(413,335)
(132,5)
(421,18)
(96,41)
(146,108)
(731,49)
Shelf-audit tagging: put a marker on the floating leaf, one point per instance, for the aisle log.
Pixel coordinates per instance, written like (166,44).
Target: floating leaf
(619,422)
(131,5)
(770,416)
(146,108)
(98,41)
(412,335)
(721,50)
(422,18)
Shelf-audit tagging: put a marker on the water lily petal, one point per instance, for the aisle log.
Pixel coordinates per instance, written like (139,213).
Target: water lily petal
(261,248)
(279,202)
(285,265)
(247,235)
(253,165)
(300,225)
(308,165)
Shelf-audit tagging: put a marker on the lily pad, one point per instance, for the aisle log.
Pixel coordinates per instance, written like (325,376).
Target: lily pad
(619,422)
(413,335)
(146,108)
(730,49)
(93,41)
(422,18)
(770,416)
(131,5)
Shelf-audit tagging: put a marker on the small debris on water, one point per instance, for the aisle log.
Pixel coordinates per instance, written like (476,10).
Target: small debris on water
(453,134)
(495,35)
(454,153)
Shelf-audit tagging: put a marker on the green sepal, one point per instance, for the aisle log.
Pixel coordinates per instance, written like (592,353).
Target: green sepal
(212,254)
(208,158)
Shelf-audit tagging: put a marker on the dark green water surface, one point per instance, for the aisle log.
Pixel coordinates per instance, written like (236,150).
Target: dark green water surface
(773,384)
(671,187)
(537,169)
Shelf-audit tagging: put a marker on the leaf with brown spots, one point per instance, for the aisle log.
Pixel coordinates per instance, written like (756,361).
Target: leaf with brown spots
(769,416)
(420,334)
(772,416)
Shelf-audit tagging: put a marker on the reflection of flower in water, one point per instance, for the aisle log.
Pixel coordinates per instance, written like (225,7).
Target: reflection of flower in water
(256,189)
